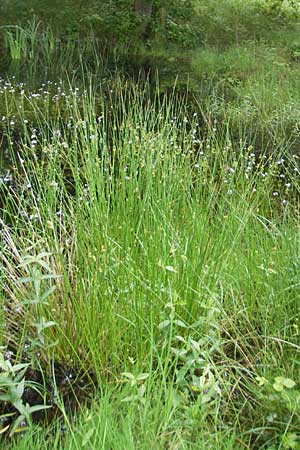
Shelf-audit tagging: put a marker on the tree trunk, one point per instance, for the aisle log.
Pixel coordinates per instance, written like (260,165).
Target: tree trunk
(143,9)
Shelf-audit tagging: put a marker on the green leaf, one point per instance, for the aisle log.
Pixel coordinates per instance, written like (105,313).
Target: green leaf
(47,293)
(206,398)
(19,405)
(20,366)
(288,383)
(35,408)
(196,345)
(19,374)
(180,323)
(42,325)
(24,280)
(171,269)
(128,375)
(20,388)
(291,441)
(15,428)
(5,379)
(131,398)
(261,381)
(281,383)
(278,387)
(164,324)
(142,390)
(4,429)
(88,436)
(180,339)
(142,376)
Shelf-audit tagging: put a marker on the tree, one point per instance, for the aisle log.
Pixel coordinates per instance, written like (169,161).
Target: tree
(143,9)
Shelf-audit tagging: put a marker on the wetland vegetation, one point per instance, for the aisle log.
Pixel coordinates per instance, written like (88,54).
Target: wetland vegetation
(149,223)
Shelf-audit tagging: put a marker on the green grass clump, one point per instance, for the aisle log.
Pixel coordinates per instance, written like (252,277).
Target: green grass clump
(149,231)
(153,263)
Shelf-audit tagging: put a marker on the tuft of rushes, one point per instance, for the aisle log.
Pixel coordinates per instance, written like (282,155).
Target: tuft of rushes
(175,258)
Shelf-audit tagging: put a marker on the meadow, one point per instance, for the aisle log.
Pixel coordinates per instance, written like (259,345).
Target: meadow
(150,244)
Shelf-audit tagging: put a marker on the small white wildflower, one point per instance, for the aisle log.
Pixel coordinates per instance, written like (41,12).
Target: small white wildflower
(33,217)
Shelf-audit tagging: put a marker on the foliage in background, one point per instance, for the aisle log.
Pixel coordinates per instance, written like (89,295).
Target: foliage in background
(185,24)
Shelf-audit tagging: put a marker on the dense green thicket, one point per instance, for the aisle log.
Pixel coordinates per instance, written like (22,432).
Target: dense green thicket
(186,23)
(120,20)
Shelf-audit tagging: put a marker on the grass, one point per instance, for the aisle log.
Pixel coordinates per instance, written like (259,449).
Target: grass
(117,425)
(153,266)
(150,247)
(254,86)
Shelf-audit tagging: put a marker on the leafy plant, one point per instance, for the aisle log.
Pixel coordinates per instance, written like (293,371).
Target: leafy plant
(137,383)
(12,386)
(283,399)
(194,346)
(37,283)
(15,39)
